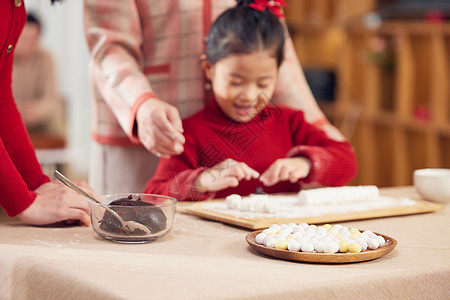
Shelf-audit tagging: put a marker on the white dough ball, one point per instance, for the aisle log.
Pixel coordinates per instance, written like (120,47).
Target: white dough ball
(363,244)
(319,246)
(293,245)
(381,240)
(344,231)
(333,231)
(310,231)
(326,239)
(322,231)
(275,227)
(292,225)
(331,247)
(260,238)
(288,229)
(300,239)
(298,234)
(304,225)
(299,229)
(337,227)
(247,204)
(267,238)
(317,237)
(364,237)
(270,207)
(307,247)
(270,243)
(281,236)
(267,231)
(373,243)
(313,241)
(259,205)
(233,201)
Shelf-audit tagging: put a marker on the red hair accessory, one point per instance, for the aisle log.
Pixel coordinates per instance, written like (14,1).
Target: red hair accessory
(273,5)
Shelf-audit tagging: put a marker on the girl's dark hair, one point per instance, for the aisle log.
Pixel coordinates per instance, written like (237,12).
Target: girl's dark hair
(242,29)
(32,18)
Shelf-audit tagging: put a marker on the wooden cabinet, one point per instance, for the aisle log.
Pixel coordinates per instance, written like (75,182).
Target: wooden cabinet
(393,88)
(405,113)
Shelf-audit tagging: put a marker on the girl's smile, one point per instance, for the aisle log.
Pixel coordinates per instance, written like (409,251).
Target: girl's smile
(244,110)
(243,83)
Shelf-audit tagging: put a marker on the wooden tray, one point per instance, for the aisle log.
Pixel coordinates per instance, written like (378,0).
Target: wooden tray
(198,209)
(336,258)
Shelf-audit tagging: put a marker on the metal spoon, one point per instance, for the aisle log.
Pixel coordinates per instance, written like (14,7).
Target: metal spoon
(129,226)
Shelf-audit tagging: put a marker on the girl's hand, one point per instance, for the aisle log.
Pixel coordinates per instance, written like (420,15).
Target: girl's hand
(160,128)
(225,174)
(284,169)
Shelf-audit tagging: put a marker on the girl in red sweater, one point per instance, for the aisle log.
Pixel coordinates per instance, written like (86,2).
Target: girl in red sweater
(242,139)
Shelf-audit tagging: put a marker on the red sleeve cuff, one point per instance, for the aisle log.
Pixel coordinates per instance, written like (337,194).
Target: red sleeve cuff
(132,128)
(182,187)
(319,159)
(13,208)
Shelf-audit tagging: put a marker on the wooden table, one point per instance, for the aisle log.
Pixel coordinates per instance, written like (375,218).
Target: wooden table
(201,259)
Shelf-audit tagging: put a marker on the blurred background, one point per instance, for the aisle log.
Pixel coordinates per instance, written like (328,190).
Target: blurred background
(63,37)
(379,69)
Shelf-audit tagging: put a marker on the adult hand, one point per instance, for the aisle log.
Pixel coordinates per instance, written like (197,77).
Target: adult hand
(160,128)
(284,169)
(55,202)
(225,174)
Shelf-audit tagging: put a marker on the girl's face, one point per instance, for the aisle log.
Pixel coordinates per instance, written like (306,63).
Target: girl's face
(243,84)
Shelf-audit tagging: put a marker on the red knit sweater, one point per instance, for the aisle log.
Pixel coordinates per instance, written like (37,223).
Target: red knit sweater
(20,172)
(277,132)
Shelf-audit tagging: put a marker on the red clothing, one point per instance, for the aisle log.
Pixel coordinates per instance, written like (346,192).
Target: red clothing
(20,172)
(277,132)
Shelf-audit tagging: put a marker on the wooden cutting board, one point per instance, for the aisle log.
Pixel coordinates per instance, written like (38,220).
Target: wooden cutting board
(421,206)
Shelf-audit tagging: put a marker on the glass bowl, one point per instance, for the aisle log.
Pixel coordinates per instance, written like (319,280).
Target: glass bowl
(156,212)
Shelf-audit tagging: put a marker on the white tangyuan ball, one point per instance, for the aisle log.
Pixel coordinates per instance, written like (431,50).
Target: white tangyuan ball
(337,226)
(292,225)
(260,238)
(258,204)
(331,247)
(314,241)
(288,229)
(322,231)
(310,231)
(281,236)
(267,231)
(381,240)
(319,246)
(362,243)
(304,225)
(299,229)
(283,226)
(307,247)
(275,227)
(373,243)
(233,201)
(293,245)
(270,242)
(334,231)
